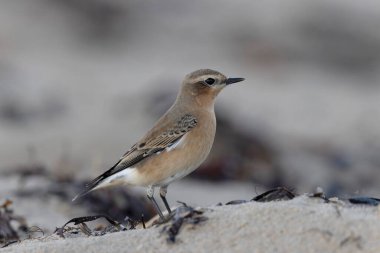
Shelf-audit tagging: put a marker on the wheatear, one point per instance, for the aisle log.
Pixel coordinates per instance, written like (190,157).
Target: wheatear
(176,145)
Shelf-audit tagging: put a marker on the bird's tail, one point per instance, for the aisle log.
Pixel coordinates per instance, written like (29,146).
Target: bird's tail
(94,184)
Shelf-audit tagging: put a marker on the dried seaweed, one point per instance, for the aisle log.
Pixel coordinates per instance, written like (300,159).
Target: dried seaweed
(279,193)
(82,227)
(236,202)
(182,215)
(8,234)
(8,243)
(365,201)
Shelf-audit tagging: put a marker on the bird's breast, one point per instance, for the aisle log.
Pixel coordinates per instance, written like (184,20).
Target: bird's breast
(183,157)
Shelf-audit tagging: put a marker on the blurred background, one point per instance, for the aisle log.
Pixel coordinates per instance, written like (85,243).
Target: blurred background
(82,80)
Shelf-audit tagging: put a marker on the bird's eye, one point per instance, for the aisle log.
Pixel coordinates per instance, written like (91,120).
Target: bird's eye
(210,81)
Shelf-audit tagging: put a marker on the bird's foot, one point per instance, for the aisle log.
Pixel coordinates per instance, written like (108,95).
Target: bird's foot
(165,219)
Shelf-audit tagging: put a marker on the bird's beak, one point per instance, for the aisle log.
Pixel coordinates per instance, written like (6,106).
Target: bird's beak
(234,80)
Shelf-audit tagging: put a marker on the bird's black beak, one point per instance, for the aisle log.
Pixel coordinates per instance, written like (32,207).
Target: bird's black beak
(234,80)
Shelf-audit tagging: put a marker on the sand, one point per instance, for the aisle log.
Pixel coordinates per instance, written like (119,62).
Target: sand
(300,225)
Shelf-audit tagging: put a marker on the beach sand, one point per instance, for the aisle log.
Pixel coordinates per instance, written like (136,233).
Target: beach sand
(303,224)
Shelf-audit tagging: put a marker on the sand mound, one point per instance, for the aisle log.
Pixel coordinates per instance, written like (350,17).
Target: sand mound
(300,225)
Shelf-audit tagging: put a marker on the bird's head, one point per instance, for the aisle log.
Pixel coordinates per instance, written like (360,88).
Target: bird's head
(206,83)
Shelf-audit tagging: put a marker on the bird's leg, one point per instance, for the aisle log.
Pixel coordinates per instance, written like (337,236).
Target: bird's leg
(163,191)
(150,193)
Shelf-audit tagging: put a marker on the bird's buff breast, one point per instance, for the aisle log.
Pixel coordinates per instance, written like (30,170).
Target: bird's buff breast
(178,162)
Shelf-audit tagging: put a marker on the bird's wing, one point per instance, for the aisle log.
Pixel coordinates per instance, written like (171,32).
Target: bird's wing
(155,141)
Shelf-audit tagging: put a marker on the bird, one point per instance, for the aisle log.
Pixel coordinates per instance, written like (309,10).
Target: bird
(177,144)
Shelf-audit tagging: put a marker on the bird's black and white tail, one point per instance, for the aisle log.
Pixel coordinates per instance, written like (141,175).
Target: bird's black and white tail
(96,182)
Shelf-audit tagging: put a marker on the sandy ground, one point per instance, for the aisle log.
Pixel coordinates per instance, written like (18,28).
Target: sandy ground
(299,225)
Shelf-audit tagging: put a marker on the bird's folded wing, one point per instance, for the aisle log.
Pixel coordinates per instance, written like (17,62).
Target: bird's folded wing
(155,141)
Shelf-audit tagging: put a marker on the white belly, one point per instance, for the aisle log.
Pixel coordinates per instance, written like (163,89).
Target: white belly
(176,176)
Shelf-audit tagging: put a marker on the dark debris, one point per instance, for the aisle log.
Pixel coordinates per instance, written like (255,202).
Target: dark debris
(279,193)
(365,201)
(9,243)
(236,202)
(100,230)
(8,233)
(182,215)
